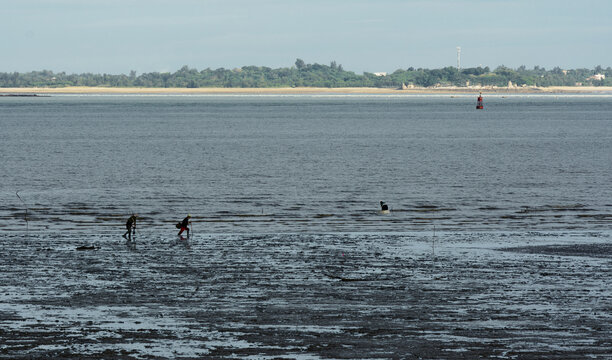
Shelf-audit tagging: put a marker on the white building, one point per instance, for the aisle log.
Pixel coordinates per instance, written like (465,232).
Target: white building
(597,77)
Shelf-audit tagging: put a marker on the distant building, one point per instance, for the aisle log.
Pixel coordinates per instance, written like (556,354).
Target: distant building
(380,73)
(598,77)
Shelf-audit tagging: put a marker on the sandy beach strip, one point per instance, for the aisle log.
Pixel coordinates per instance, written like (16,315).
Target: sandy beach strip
(305,90)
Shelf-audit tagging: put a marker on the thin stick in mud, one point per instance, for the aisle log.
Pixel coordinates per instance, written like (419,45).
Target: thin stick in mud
(26,212)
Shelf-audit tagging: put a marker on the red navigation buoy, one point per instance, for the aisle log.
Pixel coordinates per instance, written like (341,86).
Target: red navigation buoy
(479,102)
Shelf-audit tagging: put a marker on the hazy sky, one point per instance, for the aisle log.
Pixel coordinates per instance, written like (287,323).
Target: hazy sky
(116,36)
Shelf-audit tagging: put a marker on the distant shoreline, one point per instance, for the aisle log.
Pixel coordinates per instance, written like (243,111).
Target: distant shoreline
(309,90)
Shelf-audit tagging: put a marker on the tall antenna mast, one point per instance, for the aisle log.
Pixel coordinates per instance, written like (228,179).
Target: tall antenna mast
(458,58)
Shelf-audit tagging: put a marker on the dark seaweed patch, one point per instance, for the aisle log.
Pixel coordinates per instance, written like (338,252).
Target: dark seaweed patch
(591,250)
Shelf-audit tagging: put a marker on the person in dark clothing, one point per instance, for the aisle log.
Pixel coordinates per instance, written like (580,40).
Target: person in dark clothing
(185,225)
(131,226)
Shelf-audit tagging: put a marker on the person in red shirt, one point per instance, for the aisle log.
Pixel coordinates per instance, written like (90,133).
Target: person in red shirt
(185,225)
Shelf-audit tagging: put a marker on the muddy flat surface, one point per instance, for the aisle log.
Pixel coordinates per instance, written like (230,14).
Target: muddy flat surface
(519,195)
(307,296)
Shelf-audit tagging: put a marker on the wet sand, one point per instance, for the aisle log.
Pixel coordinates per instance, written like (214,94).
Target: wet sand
(414,295)
(309,90)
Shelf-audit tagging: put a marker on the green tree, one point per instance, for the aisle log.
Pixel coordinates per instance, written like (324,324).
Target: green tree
(299,64)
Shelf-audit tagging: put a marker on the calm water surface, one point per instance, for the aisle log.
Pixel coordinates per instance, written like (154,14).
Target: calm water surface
(261,164)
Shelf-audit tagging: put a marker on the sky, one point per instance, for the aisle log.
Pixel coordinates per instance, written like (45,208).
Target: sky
(117,36)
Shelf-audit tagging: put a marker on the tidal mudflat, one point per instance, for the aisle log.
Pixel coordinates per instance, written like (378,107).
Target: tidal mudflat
(307,296)
(291,257)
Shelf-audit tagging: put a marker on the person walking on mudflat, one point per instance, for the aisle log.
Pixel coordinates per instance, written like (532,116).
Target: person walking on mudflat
(131,226)
(185,225)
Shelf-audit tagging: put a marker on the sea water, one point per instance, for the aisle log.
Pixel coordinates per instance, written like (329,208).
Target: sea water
(306,163)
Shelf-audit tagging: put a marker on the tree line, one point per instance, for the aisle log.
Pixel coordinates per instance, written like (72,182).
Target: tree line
(316,75)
